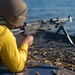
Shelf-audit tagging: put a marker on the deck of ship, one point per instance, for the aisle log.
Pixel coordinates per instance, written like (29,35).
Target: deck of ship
(58,52)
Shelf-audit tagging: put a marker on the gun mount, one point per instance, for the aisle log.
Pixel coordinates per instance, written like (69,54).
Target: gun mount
(32,27)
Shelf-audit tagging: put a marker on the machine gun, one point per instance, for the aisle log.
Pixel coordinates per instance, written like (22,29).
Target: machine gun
(32,27)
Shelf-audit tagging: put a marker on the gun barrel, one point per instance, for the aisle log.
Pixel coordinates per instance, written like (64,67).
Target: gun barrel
(64,19)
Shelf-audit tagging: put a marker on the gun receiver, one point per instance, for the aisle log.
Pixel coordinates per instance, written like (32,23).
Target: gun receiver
(33,27)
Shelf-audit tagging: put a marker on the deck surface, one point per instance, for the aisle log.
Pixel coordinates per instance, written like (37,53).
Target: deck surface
(58,52)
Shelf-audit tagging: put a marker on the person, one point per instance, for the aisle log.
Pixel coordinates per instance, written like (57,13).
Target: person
(12,58)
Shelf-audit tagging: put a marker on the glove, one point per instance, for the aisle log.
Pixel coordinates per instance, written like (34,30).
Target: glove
(28,40)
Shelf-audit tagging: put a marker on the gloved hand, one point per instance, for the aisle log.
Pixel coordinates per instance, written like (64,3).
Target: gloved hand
(28,40)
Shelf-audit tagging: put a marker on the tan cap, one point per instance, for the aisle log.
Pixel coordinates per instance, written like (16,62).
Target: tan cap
(13,11)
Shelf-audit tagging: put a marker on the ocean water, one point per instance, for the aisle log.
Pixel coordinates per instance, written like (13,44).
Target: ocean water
(47,9)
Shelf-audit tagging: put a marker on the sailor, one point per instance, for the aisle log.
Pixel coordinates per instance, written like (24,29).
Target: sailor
(12,58)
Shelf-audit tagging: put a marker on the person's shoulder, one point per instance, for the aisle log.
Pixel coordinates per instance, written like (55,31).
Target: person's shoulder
(6,32)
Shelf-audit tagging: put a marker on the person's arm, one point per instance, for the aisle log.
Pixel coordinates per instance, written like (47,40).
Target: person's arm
(13,57)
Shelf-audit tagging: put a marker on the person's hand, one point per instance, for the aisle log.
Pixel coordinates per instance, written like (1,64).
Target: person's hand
(28,40)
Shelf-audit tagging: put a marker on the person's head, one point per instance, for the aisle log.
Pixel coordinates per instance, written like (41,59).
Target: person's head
(13,11)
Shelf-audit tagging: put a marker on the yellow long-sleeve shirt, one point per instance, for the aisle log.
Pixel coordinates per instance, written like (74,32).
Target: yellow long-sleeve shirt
(13,57)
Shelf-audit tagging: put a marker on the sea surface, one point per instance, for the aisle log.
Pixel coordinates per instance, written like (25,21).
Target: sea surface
(47,9)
